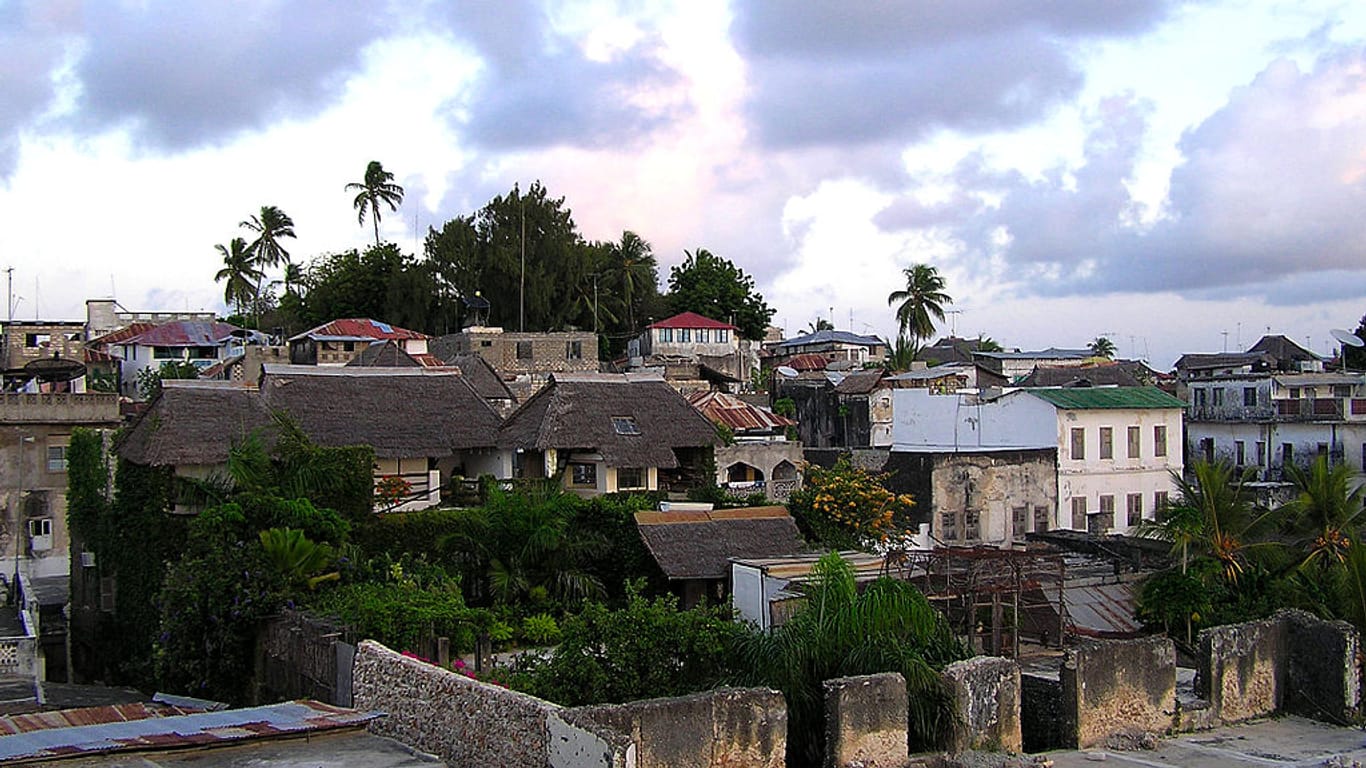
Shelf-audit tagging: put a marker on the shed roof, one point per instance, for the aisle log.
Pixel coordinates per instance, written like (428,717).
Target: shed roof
(578,411)
(723,408)
(481,376)
(691,320)
(358,329)
(833,337)
(384,354)
(184,333)
(1106,375)
(1084,398)
(700,545)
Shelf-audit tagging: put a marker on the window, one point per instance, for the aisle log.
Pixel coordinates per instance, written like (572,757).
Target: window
(1322,449)
(722,335)
(1040,519)
(348,346)
(1160,440)
(1261,453)
(630,477)
(702,335)
(41,526)
(972,525)
(948,526)
(625,425)
(1135,442)
(1019,521)
(1342,390)
(1250,397)
(1135,508)
(1107,442)
(1200,398)
(1239,453)
(485,343)
(685,334)
(1218,397)
(523,350)
(56,458)
(583,475)
(32,340)
(1207,449)
(1079,513)
(1078,443)
(166,353)
(1160,501)
(1107,512)
(1287,454)
(573,350)
(1294,393)
(666,335)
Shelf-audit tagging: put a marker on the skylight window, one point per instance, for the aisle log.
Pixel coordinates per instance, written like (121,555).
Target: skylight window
(625,425)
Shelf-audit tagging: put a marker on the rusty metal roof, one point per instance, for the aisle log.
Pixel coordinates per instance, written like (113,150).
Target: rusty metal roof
(196,729)
(1102,610)
(740,416)
(67,718)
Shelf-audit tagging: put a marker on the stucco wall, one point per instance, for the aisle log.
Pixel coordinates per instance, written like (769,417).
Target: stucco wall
(461,720)
(991,485)
(1113,687)
(986,691)
(1242,669)
(1092,476)
(866,721)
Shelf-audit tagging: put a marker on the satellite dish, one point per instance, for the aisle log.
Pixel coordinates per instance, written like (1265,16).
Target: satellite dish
(784,370)
(1347,337)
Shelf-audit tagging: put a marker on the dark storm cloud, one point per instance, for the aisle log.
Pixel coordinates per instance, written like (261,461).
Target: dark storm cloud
(185,74)
(33,39)
(539,90)
(1267,202)
(834,72)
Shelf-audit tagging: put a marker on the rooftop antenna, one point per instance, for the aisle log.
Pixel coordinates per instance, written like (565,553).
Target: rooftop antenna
(521,294)
(1346,339)
(953,320)
(1225,335)
(9,274)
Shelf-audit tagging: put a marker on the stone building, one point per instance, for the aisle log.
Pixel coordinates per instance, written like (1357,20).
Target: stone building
(525,361)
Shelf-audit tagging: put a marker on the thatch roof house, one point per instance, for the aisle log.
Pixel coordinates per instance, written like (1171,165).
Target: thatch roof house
(424,425)
(694,549)
(610,432)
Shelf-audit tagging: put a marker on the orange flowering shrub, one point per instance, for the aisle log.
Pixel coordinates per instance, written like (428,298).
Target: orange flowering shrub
(845,507)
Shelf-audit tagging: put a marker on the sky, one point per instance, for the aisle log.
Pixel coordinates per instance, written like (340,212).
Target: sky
(1176,176)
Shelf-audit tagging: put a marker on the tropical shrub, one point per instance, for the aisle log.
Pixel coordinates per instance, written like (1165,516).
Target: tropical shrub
(845,507)
(403,615)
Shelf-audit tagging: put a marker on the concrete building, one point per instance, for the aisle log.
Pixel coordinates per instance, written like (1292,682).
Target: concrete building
(1116,447)
(1017,365)
(525,361)
(343,340)
(834,346)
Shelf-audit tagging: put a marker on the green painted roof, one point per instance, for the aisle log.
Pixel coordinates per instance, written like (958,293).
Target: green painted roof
(1083,398)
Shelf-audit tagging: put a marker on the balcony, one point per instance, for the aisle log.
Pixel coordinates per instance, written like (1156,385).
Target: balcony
(1322,409)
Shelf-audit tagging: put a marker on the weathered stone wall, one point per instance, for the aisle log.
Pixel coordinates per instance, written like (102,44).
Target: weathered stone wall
(986,692)
(716,729)
(1042,716)
(1322,680)
(866,721)
(576,741)
(1242,669)
(463,721)
(1115,687)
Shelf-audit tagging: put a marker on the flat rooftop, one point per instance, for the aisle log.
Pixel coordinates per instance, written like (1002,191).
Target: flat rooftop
(1283,741)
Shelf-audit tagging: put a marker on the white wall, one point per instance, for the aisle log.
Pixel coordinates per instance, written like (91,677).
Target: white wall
(1092,476)
(921,421)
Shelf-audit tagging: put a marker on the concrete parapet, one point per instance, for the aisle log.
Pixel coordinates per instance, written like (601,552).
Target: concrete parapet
(1117,687)
(986,692)
(1242,669)
(726,727)
(866,721)
(1322,675)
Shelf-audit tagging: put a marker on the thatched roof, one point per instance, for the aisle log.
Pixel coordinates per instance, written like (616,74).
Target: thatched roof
(632,420)
(194,422)
(397,411)
(481,376)
(700,545)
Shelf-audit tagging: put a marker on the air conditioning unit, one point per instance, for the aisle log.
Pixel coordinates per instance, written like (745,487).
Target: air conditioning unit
(87,559)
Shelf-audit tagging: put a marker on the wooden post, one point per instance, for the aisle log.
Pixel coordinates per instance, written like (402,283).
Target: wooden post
(443,651)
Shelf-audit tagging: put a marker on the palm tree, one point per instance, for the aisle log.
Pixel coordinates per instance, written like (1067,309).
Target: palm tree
(240,272)
(270,225)
(294,275)
(1213,516)
(378,187)
(920,303)
(1102,347)
(632,264)
(819,324)
(1326,514)
(988,344)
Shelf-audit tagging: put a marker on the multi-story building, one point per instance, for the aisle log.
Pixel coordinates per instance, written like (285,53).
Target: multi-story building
(525,361)
(341,341)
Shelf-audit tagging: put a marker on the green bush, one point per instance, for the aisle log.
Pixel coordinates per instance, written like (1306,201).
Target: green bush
(541,629)
(402,615)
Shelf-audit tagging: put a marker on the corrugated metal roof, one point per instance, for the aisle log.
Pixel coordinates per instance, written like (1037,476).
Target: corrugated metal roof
(197,729)
(691,320)
(185,333)
(67,718)
(1084,398)
(837,337)
(359,329)
(737,414)
(1102,610)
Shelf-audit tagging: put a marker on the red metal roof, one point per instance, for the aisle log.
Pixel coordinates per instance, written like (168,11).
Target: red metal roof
(360,328)
(185,333)
(66,718)
(691,320)
(737,414)
(97,356)
(122,334)
(807,362)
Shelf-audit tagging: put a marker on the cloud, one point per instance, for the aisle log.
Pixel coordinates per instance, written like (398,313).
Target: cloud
(831,72)
(1271,187)
(33,40)
(185,74)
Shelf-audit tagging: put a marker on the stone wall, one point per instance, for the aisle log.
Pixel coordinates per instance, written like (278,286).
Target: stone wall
(463,721)
(986,692)
(866,721)
(716,729)
(1116,687)
(1241,669)
(1322,675)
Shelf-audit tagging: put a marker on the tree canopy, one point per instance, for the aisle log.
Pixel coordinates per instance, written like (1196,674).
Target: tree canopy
(714,287)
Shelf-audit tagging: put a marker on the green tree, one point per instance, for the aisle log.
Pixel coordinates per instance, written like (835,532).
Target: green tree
(149,380)
(1102,347)
(819,324)
(1355,357)
(920,303)
(1326,515)
(714,287)
(633,276)
(239,273)
(839,632)
(988,344)
(845,507)
(377,189)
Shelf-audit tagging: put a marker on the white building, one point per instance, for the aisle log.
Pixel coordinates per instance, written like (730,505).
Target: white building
(1117,447)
